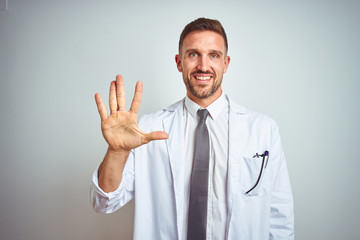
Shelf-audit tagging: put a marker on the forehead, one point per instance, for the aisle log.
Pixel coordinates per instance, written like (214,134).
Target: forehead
(204,40)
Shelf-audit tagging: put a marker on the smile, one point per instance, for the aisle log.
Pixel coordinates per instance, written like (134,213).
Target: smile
(202,78)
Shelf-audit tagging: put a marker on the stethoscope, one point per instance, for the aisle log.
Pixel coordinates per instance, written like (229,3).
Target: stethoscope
(264,155)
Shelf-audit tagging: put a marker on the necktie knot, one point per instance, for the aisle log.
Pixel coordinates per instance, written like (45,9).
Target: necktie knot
(203,113)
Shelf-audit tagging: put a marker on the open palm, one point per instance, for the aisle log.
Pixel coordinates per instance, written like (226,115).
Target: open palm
(120,128)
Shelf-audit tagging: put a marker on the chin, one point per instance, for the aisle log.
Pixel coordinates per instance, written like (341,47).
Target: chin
(202,94)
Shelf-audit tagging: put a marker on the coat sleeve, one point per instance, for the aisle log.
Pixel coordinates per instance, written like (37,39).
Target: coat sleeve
(282,207)
(103,202)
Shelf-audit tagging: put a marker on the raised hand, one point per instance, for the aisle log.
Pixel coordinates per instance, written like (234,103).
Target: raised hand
(120,128)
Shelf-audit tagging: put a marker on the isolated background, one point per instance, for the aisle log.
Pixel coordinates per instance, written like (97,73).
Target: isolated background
(297,61)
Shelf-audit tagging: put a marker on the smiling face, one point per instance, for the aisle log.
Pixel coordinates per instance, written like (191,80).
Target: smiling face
(203,61)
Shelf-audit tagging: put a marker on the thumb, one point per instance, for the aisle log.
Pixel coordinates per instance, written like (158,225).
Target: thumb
(157,135)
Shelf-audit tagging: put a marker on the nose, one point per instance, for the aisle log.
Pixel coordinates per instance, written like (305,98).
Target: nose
(203,64)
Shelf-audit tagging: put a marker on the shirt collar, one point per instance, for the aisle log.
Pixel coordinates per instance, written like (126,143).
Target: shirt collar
(214,108)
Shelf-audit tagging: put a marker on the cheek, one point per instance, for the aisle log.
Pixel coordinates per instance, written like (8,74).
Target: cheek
(221,69)
(186,70)
(188,65)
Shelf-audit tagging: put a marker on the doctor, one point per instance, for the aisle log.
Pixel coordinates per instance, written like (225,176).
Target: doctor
(246,193)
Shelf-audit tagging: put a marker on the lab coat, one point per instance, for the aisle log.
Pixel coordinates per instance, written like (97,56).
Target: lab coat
(154,177)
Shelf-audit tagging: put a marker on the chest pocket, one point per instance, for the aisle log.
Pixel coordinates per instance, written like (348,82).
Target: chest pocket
(255,179)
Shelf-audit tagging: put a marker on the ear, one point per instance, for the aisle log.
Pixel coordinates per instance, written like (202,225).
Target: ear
(226,63)
(178,62)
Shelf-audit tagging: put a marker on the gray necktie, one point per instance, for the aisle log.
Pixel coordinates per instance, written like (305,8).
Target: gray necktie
(199,182)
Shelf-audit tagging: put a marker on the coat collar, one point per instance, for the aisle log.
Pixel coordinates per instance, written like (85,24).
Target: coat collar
(234,107)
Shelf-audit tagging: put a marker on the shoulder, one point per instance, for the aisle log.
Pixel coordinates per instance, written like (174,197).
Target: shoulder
(253,124)
(156,118)
(251,116)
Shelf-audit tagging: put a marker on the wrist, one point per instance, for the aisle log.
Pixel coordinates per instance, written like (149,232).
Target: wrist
(118,151)
(117,155)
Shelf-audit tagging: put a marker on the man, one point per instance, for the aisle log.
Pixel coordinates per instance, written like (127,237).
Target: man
(218,173)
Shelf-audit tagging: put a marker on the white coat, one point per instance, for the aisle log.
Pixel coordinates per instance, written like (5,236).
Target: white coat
(154,175)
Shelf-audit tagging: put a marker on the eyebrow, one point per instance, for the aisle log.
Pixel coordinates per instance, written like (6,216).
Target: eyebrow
(211,51)
(217,52)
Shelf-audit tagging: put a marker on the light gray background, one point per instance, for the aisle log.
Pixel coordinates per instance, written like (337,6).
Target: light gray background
(297,61)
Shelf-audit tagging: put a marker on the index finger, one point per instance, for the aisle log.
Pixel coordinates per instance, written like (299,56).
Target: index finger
(135,105)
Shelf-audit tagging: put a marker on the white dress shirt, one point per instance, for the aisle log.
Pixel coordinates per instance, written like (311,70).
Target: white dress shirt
(217,124)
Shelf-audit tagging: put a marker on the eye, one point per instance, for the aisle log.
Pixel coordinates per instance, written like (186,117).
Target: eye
(214,55)
(193,54)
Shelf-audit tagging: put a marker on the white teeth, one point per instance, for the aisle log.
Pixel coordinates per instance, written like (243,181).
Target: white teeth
(203,78)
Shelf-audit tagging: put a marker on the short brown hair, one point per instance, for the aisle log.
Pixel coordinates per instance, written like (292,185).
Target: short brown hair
(203,24)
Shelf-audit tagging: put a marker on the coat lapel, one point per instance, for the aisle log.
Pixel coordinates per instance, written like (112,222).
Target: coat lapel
(173,125)
(236,141)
